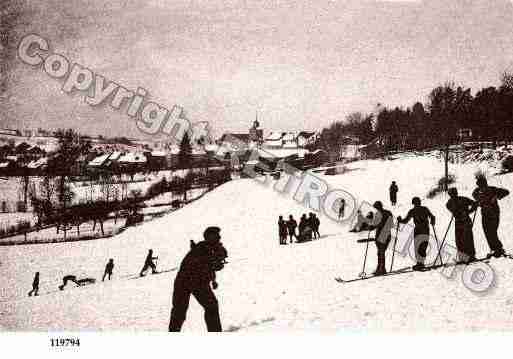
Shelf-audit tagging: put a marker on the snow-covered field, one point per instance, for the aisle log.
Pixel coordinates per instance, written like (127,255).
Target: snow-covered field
(265,286)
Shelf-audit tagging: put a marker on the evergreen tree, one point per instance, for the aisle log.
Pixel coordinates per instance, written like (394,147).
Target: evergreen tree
(185,154)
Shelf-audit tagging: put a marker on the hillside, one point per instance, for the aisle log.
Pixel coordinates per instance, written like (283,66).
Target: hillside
(265,286)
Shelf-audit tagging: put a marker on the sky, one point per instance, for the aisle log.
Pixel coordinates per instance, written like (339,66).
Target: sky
(299,64)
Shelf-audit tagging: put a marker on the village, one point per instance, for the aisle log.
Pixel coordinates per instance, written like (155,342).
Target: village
(111,171)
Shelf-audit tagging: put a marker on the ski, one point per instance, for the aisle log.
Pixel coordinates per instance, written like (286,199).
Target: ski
(397,271)
(410,270)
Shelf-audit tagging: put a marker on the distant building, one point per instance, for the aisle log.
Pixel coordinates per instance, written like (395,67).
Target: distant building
(235,141)
(9,132)
(305,138)
(301,139)
(274,140)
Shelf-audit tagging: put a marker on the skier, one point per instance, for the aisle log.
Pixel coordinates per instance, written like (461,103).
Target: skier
(393,193)
(196,273)
(315,226)
(461,207)
(148,263)
(108,269)
(282,230)
(383,223)
(35,286)
(291,227)
(341,209)
(78,282)
(486,197)
(421,216)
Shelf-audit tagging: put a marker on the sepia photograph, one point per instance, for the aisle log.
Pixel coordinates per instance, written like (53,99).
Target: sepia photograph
(243,166)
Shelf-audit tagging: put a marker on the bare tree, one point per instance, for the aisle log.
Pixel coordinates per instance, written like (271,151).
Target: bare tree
(507,80)
(107,188)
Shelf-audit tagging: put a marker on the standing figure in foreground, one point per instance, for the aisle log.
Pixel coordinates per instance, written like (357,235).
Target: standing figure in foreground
(421,217)
(282,230)
(148,263)
(35,286)
(393,193)
(108,269)
(461,207)
(487,198)
(383,223)
(196,273)
(291,227)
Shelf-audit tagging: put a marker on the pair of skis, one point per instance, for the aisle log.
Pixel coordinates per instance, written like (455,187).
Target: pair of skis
(367,241)
(409,270)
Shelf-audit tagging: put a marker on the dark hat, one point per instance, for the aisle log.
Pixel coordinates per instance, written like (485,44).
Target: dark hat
(378,205)
(211,231)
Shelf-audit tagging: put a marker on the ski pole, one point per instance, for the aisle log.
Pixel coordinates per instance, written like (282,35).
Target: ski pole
(436,238)
(395,242)
(474,218)
(442,244)
(363,274)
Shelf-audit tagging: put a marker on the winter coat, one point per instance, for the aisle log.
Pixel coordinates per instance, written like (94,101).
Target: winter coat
(203,260)
(487,199)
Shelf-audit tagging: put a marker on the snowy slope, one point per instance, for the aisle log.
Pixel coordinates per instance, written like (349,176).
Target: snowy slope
(266,286)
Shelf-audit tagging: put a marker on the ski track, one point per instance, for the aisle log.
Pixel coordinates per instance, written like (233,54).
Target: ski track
(265,286)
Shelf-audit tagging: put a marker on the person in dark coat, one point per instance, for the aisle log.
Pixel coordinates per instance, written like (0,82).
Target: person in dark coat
(311,223)
(315,226)
(148,263)
(487,198)
(291,227)
(35,286)
(196,272)
(282,230)
(383,223)
(393,193)
(341,209)
(461,207)
(108,269)
(421,216)
(78,282)
(309,226)
(301,228)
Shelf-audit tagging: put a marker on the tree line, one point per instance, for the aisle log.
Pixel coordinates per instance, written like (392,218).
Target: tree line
(439,122)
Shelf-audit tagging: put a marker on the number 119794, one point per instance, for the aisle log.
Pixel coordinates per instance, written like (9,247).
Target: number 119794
(65,342)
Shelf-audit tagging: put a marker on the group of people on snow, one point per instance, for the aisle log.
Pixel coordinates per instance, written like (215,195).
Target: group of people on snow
(196,276)
(307,229)
(484,196)
(197,272)
(109,268)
